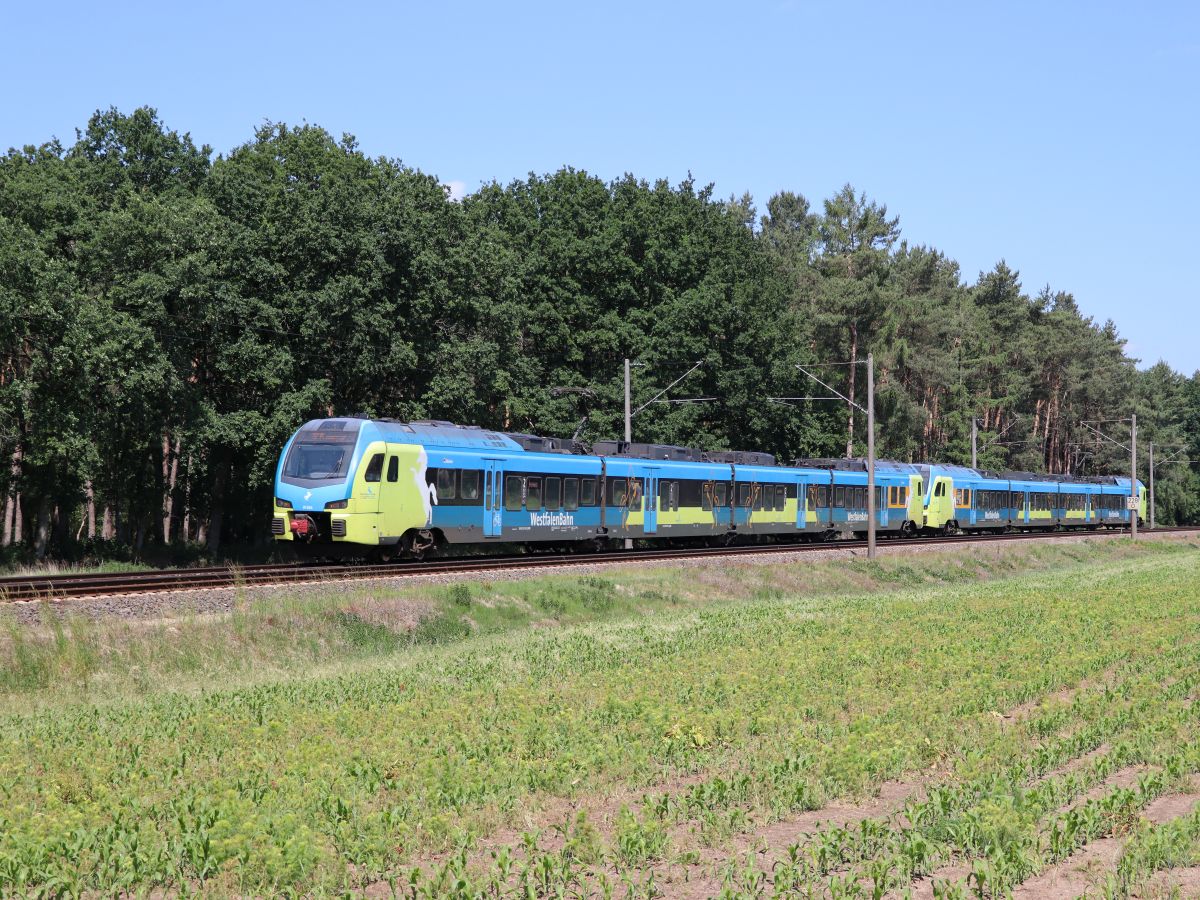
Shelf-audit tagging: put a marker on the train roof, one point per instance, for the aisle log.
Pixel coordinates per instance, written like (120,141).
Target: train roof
(854,464)
(440,433)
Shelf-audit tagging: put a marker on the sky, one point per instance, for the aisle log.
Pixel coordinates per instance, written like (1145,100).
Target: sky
(1061,137)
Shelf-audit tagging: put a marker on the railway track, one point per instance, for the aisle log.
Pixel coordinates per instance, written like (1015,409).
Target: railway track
(18,588)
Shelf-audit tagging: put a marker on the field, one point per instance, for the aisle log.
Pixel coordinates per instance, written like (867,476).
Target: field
(969,723)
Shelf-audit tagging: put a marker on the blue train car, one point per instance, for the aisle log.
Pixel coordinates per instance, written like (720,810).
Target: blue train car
(349,486)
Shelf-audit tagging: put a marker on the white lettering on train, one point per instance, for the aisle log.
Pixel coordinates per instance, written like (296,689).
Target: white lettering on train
(551,518)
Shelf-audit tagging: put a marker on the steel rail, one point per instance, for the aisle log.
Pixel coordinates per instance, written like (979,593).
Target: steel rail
(15,588)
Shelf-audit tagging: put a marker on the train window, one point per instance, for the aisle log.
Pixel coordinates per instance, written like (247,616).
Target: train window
(469,486)
(967,497)
(513,489)
(674,496)
(393,469)
(553,493)
(445,484)
(487,491)
(823,496)
(893,496)
(903,495)
(756,496)
(587,492)
(719,492)
(664,496)
(706,495)
(533,493)
(743,495)
(781,493)
(839,497)
(571,493)
(617,495)
(635,493)
(374,468)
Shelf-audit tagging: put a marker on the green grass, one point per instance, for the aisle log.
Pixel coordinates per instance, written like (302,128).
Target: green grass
(329,743)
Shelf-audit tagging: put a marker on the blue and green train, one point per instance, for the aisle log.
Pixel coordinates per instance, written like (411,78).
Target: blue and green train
(356,487)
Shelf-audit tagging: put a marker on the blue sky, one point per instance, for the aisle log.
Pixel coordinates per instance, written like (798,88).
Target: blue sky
(1062,137)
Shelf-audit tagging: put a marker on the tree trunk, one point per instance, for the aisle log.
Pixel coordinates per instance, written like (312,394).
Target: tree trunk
(170,473)
(107,526)
(217,512)
(12,502)
(60,526)
(853,369)
(90,508)
(41,537)
(185,523)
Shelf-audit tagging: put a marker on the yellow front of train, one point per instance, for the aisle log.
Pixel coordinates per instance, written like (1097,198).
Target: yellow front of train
(343,489)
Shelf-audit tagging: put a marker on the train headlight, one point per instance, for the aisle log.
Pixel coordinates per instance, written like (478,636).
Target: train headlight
(337,504)
(283,504)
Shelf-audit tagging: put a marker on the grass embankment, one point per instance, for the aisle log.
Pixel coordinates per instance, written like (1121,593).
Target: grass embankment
(327,743)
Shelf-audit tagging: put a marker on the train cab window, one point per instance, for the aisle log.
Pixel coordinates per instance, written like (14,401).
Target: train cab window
(617,495)
(533,493)
(513,489)
(920,487)
(445,484)
(571,493)
(469,485)
(393,469)
(719,492)
(374,468)
(940,489)
(553,493)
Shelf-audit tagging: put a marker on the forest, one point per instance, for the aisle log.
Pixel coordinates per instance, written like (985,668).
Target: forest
(169,315)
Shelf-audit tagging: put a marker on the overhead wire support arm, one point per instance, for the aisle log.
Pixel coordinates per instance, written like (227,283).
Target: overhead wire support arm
(840,395)
(1015,420)
(1099,433)
(698,364)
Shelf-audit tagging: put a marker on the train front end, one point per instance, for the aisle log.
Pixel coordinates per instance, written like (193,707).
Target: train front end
(314,482)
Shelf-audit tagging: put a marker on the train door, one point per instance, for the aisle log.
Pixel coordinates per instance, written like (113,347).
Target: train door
(801,504)
(651,501)
(493,497)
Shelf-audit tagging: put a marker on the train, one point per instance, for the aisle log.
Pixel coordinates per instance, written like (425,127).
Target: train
(355,487)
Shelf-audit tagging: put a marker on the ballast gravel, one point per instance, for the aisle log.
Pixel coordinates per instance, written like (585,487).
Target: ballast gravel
(219,601)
